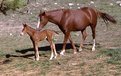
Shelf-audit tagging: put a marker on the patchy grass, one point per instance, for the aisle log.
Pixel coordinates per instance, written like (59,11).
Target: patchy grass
(17,53)
(113,54)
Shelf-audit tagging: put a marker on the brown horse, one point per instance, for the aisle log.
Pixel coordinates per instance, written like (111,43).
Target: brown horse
(69,20)
(37,36)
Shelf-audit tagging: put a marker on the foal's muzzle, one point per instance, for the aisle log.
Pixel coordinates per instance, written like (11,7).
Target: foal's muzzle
(21,34)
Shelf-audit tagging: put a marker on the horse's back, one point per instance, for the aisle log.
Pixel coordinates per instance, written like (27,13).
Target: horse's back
(92,13)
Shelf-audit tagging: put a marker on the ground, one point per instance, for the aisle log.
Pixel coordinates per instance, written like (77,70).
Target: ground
(17,55)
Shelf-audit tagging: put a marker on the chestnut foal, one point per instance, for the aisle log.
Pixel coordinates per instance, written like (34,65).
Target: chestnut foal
(37,36)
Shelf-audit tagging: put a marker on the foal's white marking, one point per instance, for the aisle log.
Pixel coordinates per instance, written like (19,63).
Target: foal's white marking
(37,59)
(52,55)
(38,23)
(93,48)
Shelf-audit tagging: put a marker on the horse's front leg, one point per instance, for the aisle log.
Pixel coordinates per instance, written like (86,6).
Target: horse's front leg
(66,37)
(74,48)
(84,35)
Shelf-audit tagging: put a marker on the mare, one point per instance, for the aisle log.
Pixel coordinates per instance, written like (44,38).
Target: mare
(37,36)
(69,20)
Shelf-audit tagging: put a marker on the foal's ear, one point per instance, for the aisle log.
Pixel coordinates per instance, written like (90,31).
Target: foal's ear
(24,24)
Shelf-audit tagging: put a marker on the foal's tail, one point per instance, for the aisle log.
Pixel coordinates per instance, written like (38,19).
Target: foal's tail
(106,17)
(56,33)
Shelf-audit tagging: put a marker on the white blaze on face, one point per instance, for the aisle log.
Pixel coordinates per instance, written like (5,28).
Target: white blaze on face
(38,23)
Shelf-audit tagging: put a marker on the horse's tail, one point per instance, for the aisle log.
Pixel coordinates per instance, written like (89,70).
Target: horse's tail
(106,17)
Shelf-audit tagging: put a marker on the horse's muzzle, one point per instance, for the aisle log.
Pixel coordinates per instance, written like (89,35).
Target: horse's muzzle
(38,29)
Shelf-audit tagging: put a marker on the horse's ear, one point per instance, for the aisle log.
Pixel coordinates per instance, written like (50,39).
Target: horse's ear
(43,13)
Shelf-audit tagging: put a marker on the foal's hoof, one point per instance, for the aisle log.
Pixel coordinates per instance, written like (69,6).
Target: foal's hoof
(37,59)
(75,52)
(55,57)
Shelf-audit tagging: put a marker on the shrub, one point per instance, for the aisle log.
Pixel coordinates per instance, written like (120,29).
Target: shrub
(14,4)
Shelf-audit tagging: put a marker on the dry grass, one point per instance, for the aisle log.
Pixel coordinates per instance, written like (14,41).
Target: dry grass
(16,52)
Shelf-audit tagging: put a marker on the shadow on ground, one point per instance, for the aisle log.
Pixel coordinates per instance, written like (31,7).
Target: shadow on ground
(47,48)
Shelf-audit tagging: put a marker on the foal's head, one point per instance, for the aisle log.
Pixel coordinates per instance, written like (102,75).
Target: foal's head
(24,29)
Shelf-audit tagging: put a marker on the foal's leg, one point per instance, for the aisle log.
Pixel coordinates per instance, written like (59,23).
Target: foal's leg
(52,53)
(66,37)
(84,35)
(51,46)
(54,49)
(35,44)
(93,35)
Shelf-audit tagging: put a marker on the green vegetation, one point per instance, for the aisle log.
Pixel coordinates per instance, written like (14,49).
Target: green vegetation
(17,53)
(113,54)
(14,4)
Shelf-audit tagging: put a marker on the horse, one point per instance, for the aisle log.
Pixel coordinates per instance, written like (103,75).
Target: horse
(37,36)
(69,20)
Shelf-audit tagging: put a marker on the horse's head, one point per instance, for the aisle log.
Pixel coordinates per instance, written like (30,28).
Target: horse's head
(42,21)
(24,29)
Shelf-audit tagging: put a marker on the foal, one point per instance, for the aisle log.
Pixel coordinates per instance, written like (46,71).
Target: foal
(37,36)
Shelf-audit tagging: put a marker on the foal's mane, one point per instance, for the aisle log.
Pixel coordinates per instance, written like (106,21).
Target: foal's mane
(28,27)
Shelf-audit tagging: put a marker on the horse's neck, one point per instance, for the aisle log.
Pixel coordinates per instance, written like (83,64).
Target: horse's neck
(55,16)
(30,31)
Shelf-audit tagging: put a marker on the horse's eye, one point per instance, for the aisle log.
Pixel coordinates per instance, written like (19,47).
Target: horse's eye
(40,19)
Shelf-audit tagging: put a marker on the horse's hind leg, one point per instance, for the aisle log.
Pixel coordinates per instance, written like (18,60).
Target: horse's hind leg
(93,35)
(84,35)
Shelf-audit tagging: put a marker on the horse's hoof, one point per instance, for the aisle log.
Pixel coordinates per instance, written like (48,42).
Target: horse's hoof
(75,52)
(93,49)
(80,49)
(62,53)
(50,58)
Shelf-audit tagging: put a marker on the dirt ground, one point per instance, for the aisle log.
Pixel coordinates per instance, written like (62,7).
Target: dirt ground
(16,53)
